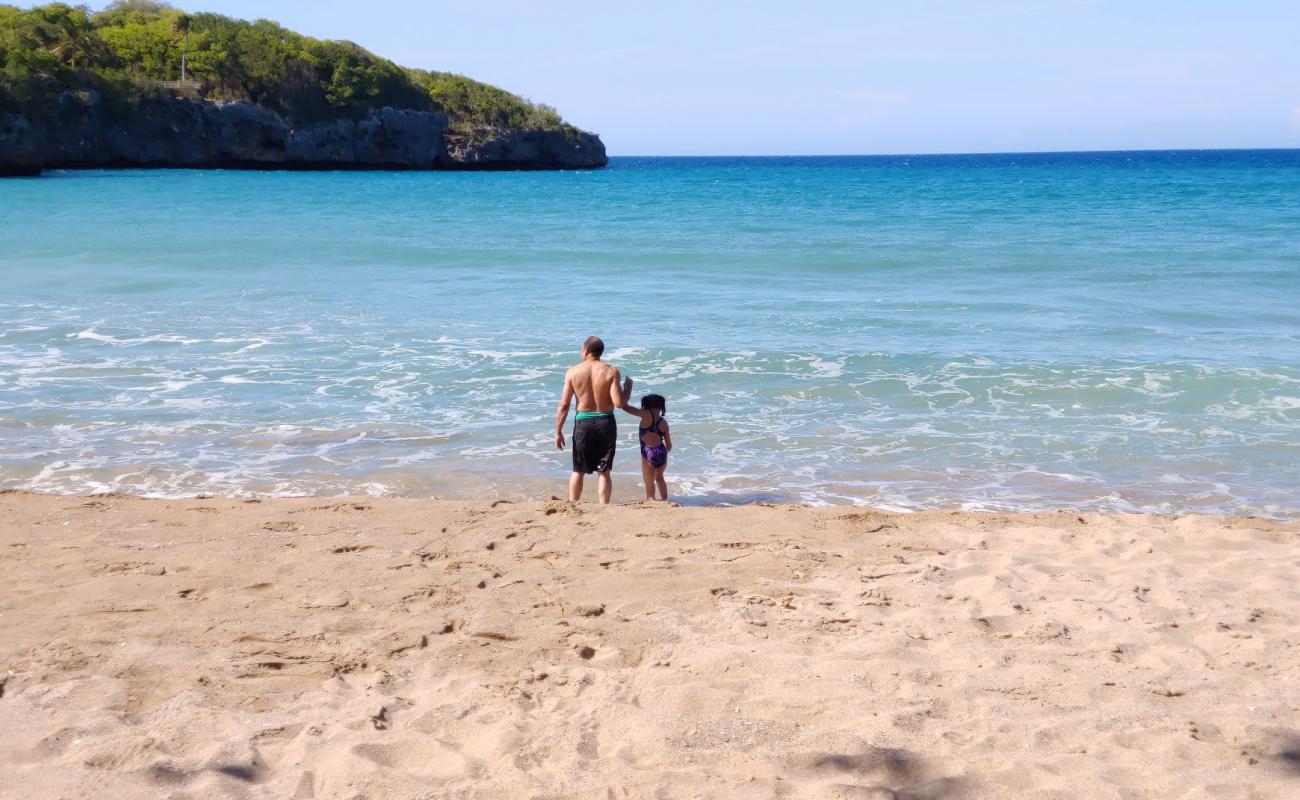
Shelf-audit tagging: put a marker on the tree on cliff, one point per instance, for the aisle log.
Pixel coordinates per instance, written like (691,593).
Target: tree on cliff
(124,52)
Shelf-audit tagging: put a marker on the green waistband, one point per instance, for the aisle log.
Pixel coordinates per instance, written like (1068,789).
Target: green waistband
(593,414)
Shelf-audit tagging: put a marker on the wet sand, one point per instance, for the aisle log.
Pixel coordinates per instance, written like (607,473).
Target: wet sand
(362,648)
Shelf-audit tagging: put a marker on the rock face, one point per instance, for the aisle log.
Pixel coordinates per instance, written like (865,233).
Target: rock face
(524,149)
(178,132)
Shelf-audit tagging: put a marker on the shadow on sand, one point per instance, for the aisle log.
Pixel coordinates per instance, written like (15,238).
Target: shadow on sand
(883,772)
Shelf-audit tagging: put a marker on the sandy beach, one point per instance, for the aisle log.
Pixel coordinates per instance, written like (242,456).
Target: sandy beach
(363,648)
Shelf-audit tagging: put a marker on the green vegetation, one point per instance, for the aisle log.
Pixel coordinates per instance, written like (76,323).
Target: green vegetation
(56,53)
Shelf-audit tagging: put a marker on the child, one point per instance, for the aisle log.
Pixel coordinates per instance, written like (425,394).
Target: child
(656,441)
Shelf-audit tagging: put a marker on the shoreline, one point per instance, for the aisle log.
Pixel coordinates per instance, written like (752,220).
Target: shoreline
(703,501)
(626,497)
(396,648)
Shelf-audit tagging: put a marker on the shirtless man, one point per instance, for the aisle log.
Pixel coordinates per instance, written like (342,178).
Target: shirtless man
(599,391)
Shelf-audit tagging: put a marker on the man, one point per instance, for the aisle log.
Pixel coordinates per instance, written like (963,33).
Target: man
(598,389)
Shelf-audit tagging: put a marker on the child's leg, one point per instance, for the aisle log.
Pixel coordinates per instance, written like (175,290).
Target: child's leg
(660,482)
(648,475)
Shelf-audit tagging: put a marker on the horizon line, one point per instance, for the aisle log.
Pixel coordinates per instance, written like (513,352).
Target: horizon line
(972,153)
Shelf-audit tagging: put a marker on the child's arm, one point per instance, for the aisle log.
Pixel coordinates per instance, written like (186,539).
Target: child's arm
(636,412)
(668,436)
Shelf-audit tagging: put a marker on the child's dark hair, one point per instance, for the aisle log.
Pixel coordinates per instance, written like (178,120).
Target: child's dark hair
(654,402)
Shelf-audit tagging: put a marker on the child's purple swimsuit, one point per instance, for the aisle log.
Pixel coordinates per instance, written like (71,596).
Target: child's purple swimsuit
(657,455)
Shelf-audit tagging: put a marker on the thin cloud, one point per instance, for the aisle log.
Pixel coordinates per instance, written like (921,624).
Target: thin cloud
(871,97)
(858,33)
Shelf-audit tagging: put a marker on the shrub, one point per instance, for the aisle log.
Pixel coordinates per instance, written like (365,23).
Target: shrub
(126,50)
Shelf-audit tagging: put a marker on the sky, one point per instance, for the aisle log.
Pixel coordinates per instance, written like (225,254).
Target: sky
(843,77)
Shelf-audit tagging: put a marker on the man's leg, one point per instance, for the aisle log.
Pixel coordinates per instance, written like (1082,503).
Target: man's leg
(606,487)
(575,487)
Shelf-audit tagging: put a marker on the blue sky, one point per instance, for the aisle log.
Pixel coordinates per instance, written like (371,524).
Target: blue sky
(922,76)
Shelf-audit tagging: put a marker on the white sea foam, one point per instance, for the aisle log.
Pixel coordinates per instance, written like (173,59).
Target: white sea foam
(827,369)
(93,335)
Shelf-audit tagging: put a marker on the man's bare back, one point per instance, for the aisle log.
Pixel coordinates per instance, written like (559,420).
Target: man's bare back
(592,383)
(597,388)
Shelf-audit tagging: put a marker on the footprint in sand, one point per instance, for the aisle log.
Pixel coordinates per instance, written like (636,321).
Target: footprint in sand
(282,526)
(333,507)
(167,774)
(353,548)
(867,522)
(278,733)
(126,567)
(564,508)
(426,757)
(57,742)
(326,601)
(589,609)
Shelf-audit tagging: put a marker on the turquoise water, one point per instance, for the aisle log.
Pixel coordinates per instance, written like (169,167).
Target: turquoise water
(1114,331)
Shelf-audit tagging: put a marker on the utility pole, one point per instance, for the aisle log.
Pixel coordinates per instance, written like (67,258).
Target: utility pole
(181,25)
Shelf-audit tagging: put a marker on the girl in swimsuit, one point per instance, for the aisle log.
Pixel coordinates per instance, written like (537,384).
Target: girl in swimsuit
(656,440)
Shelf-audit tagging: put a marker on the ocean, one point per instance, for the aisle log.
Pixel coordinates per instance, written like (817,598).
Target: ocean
(1114,331)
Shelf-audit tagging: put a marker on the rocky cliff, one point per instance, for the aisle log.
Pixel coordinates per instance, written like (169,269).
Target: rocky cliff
(181,132)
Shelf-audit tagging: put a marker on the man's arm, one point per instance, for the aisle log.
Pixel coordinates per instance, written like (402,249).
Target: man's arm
(562,411)
(616,390)
(627,394)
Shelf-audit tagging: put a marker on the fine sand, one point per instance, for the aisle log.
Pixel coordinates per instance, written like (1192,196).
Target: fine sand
(303,648)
